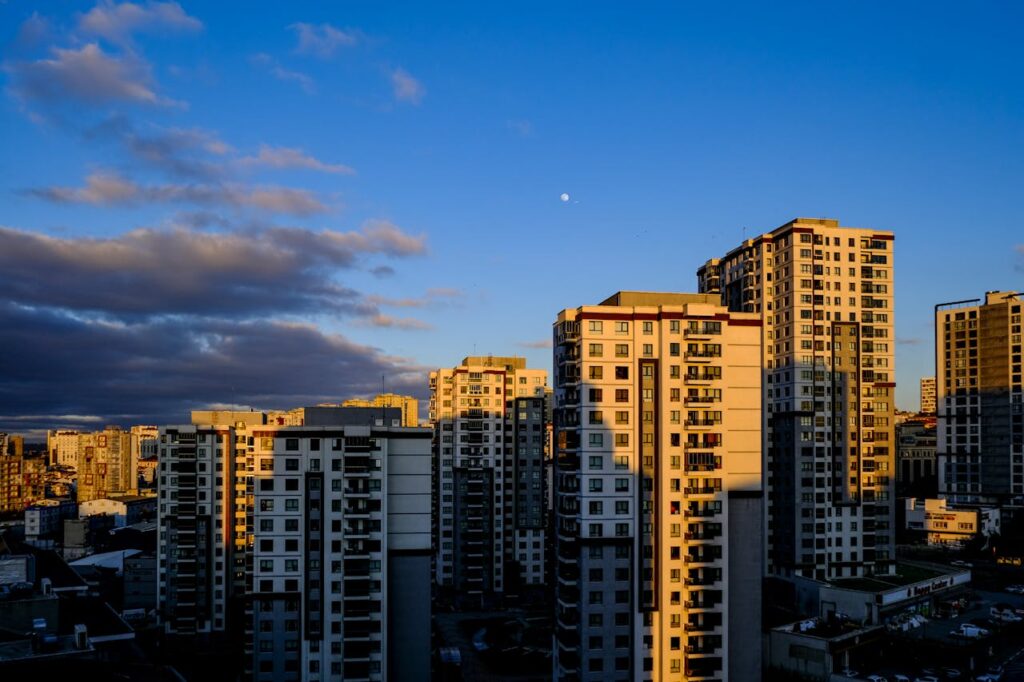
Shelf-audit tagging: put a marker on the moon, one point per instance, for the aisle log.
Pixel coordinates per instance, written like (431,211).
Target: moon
(564,197)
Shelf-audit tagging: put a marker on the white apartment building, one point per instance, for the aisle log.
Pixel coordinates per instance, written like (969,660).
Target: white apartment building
(319,533)
(657,490)
(825,295)
(489,421)
(62,447)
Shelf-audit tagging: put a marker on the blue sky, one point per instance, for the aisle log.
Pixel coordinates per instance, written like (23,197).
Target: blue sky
(438,141)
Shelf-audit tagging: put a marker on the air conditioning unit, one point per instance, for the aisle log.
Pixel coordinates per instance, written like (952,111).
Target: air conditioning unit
(46,586)
(81,637)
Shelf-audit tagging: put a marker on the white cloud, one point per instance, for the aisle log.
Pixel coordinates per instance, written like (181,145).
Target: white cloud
(117,22)
(288,157)
(322,40)
(406,88)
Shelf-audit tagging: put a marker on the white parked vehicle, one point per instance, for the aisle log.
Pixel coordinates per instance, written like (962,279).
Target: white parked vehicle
(969,631)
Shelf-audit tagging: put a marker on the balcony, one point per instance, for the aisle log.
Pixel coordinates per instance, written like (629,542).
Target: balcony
(700,399)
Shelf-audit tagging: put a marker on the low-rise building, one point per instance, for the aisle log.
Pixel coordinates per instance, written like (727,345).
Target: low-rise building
(44,521)
(126,510)
(942,523)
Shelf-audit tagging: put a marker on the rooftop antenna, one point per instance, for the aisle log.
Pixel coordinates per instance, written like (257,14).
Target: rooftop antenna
(383,409)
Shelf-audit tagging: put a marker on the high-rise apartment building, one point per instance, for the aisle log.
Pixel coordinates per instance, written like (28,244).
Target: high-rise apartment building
(311,540)
(657,490)
(928,395)
(22,479)
(62,447)
(489,416)
(106,465)
(410,406)
(980,431)
(825,294)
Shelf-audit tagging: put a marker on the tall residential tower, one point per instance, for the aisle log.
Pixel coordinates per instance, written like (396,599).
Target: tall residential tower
(825,294)
(980,432)
(658,490)
(310,542)
(489,422)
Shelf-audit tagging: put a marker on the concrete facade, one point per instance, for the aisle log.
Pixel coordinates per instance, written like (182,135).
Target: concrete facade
(980,398)
(657,441)
(825,295)
(489,416)
(319,517)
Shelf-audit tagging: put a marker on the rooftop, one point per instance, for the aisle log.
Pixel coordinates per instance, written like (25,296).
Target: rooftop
(654,298)
(906,574)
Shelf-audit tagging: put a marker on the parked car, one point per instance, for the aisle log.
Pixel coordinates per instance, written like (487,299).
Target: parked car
(951,673)
(961,563)
(926,678)
(900,678)
(876,678)
(1015,589)
(849,672)
(987,678)
(969,631)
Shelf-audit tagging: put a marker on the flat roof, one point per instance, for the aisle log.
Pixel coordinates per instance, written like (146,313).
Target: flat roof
(654,298)
(906,574)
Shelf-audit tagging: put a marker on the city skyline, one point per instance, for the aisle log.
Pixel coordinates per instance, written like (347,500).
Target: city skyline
(164,230)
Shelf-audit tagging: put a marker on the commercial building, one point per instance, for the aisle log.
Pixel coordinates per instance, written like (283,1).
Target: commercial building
(942,524)
(106,465)
(658,493)
(927,395)
(980,398)
(825,295)
(489,419)
(314,540)
(410,406)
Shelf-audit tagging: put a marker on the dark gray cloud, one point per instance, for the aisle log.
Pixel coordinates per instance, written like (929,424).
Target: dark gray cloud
(909,341)
(148,272)
(540,343)
(183,153)
(62,370)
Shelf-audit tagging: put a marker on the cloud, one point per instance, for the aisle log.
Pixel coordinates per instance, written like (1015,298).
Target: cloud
(149,273)
(116,22)
(36,30)
(86,76)
(406,88)
(155,371)
(433,297)
(307,84)
(389,322)
(382,271)
(287,157)
(109,189)
(909,341)
(1020,252)
(542,343)
(322,40)
(185,153)
(522,128)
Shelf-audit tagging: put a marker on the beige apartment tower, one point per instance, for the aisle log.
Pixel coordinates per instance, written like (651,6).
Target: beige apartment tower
(657,428)
(980,400)
(927,395)
(490,517)
(825,295)
(107,464)
(410,406)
